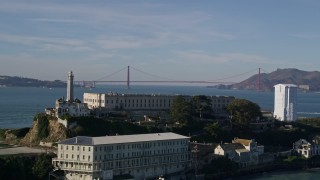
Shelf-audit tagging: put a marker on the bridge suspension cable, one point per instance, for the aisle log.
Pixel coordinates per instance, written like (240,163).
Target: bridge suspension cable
(233,76)
(109,75)
(152,75)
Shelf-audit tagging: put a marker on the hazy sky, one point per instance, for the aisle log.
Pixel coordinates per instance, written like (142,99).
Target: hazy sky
(182,40)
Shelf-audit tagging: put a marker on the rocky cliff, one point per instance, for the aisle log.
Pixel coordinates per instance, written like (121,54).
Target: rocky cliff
(56,132)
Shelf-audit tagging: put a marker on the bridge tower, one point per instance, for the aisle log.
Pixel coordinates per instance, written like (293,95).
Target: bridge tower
(128,78)
(259,79)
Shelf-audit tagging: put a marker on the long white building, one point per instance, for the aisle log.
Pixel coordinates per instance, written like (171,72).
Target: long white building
(114,101)
(140,156)
(285,102)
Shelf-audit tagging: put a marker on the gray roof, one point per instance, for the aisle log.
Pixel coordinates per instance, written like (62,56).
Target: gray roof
(85,140)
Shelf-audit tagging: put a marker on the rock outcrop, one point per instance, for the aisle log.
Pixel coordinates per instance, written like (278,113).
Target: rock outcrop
(56,133)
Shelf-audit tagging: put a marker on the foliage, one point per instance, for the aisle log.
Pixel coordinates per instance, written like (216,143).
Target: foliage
(2,133)
(180,110)
(66,116)
(314,122)
(201,106)
(294,159)
(15,167)
(102,127)
(21,167)
(21,132)
(42,166)
(43,123)
(218,165)
(213,129)
(243,112)
(189,129)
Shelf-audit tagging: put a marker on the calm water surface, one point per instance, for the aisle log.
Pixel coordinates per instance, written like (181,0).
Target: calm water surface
(19,104)
(285,175)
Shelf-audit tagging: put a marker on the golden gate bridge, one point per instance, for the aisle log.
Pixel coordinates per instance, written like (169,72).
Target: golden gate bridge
(128,81)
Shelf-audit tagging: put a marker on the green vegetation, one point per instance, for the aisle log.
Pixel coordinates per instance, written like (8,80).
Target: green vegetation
(42,166)
(213,129)
(2,133)
(21,132)
(91,126)
(220,165)
(243,112)
(313,122)
(26,167)
(66,117)
(43,123)
(201,106)
(180,110)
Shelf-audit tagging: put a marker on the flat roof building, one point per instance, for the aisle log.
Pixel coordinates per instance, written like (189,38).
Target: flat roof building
(285,102)
(143,102)
(140,156)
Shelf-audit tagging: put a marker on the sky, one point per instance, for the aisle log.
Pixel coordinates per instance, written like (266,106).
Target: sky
(214,40)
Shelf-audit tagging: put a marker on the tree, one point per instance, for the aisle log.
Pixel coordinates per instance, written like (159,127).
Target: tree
(42,166)
(180,110)
(213,129)
(243,111)
(201,106)
(220,165)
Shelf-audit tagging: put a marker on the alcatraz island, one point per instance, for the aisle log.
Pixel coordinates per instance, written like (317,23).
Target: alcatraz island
(148,136)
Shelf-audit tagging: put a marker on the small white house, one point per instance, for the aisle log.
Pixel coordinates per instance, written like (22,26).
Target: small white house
(307,149)
(242,151)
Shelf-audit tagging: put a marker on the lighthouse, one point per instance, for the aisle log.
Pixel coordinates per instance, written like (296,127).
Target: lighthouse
(70,87)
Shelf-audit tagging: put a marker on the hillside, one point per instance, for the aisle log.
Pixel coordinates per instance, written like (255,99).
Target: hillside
(54,132)
(307,79)
(29,82)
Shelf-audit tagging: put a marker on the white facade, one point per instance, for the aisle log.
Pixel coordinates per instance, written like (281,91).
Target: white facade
(307,149)
(285,102)
(242,151)
(141,156)
(70,106)
(114,101)
(75,108)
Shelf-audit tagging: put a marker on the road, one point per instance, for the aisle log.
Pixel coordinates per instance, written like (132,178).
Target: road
(20,150)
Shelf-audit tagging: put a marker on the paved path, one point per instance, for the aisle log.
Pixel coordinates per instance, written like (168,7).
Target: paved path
(20,150)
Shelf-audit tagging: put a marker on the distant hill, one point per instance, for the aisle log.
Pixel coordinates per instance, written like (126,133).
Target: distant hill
(308,81)
(28,82)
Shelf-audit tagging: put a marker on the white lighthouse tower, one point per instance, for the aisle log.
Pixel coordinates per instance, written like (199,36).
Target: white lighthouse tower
(285,103)
(70,87)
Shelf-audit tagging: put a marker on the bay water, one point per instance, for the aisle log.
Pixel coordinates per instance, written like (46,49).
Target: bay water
(18,105)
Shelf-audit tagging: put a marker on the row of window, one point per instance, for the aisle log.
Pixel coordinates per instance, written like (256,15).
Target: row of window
(141,145)
(139,154)
(74,157)
(122,155)
(72,147)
